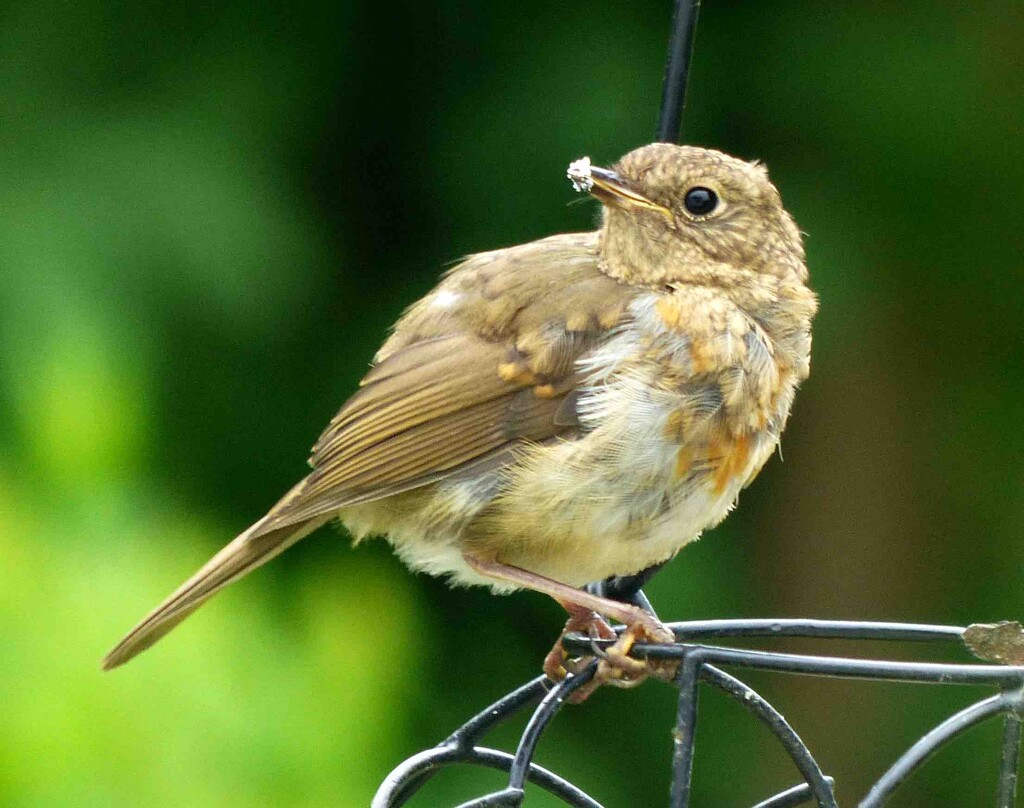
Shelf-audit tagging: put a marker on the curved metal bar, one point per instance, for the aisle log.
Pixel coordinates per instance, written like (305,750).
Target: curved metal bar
(820,629)
(478,726)
(819,786)
(503,709)
(929,744)
(791,797)
(838,667)
(548,709)
(506,798)
(841,667)
(434,759)
(412,774)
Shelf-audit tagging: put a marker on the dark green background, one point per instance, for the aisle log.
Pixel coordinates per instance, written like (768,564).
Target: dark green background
(209,216)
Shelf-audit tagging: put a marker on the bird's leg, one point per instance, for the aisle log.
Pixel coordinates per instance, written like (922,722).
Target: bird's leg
(585,613)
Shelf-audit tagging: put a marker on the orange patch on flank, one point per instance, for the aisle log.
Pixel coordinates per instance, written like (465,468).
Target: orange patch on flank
(733,462)
(668,310)
(701,358)
(684,460)
(674,425)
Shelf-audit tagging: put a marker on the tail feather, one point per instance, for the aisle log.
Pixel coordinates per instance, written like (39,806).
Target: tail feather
(253,548)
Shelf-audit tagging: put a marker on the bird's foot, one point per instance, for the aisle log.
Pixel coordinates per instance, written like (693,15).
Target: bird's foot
(615,666)
(557,664)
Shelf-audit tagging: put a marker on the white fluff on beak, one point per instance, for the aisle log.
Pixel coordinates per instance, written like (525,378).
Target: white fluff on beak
(579,173)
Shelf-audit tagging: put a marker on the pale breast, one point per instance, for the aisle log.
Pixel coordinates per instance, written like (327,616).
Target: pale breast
(680,409)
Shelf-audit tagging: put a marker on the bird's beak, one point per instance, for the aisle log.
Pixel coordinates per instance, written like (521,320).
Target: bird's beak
(609,188)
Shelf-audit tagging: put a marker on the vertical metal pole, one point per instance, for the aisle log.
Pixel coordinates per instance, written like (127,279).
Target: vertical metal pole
(677,70)
(687,680)
(1010,761)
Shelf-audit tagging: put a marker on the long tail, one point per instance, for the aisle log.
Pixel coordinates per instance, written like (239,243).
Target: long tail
(253,548)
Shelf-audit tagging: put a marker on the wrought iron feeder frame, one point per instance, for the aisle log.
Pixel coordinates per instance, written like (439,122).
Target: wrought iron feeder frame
(702,663)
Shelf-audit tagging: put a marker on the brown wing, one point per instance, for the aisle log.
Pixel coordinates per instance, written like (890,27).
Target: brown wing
(425,412)
(483,363)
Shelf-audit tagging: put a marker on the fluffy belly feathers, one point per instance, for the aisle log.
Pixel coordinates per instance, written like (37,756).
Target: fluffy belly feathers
(662,455)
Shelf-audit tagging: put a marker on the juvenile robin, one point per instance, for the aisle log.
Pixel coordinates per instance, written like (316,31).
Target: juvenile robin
(569,409)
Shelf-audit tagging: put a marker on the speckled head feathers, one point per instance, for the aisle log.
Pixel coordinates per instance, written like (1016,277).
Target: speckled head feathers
(708,212)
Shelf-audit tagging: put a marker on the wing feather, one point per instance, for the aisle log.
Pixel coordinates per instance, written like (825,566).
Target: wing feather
(420,420)
(436,406)
(464,383)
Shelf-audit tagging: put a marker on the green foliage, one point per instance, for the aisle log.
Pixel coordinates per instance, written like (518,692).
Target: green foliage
(211,214)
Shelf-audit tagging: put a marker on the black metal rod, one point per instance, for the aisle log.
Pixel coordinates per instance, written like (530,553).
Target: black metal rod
(928,745)
(931,672)
(412,774)
(548,708)
(839,667)
(685,732)
(816,629)
(819,786)
(507,798)
(791,797)
(439,757)
(1009,761)
(677,70)
(483,722)
(504,708)
(627,588)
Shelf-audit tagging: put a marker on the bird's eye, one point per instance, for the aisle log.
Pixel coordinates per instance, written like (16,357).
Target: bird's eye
(700,201)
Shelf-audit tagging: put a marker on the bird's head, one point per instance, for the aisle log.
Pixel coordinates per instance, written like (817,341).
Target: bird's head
(686,214)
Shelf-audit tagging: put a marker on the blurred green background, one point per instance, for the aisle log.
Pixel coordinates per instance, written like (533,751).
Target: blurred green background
(209,215)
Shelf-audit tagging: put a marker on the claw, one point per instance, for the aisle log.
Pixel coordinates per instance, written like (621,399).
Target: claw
(615,667)
(557,664)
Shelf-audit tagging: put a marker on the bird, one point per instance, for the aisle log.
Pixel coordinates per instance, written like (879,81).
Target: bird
(563,411)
